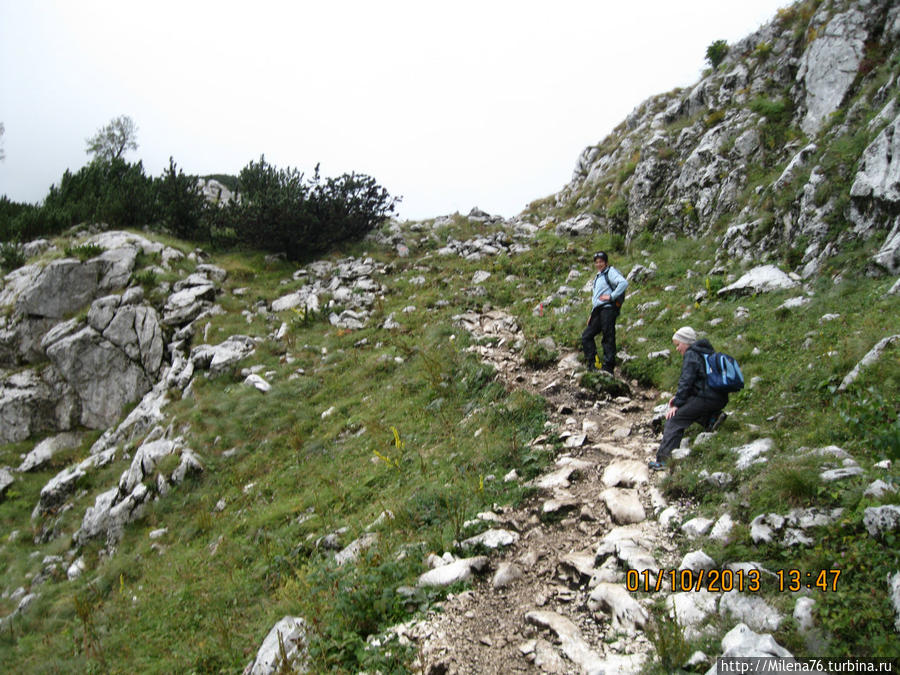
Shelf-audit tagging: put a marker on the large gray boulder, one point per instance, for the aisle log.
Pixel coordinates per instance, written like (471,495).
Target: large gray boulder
(878,176)
(115,267)
(109,515)
(64,286)
(20,343)
(888,256)
(117,239)
(133,329)
(223,356)
(761,279)
(876,193)
(103,376)
(215,192)
(15,283)
(893,581)
(189,301)
(57,490)
(751,610)
(31,403)
(147,414)
(830,65)
(456,571)
(44,451)
(578,226)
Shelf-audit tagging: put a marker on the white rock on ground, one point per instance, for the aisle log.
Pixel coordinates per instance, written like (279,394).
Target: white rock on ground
(459,570)
(292,633)
(492,539)
(571,641)
(627,615)
(624,505)
(691,609)
(696,527)
(751,610)
(625,473)
(881,519)
(741,641)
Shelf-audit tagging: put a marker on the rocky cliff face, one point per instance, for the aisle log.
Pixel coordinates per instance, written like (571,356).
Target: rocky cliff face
(786,150)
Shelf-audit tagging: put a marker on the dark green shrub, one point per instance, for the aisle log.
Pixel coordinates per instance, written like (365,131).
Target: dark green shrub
(762,51)
(667,637)
(11,256)
(773,111)
(618,210)
(181,204)
(873,419)
(645,371)
(794,485)
(9,211)
(713,118)
(604,383)
(83,251)
(716,52)
(146,278)
(25,221)
(281,212)
(113,192)
(537,356)
(627,169)
(777,113)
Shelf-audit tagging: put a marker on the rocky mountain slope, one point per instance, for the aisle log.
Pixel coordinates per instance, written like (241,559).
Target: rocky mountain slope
(784,151)
(199,446)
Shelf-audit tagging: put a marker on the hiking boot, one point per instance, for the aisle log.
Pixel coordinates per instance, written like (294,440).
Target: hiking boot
(717,422)
(656,466)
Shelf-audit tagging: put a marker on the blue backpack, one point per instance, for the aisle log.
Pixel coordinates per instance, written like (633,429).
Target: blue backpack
(723,373)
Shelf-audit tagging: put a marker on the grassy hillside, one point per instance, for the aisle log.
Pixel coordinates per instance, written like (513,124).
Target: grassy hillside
(408,422)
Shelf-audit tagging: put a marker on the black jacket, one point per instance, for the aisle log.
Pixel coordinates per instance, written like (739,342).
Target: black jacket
(692,381)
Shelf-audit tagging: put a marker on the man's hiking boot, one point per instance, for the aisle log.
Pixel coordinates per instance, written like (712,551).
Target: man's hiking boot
(656,466)
(716,422)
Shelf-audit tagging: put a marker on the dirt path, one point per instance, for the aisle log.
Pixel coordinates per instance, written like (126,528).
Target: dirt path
(550,602)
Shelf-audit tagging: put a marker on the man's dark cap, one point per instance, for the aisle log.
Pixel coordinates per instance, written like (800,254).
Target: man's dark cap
(601,255)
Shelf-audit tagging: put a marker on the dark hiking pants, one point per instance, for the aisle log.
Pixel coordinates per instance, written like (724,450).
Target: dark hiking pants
(695,410)
(603,323)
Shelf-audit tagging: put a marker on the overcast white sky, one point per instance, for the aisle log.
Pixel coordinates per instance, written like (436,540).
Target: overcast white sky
(452,105)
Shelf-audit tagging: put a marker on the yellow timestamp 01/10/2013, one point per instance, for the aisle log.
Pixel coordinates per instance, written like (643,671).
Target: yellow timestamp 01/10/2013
(685,580)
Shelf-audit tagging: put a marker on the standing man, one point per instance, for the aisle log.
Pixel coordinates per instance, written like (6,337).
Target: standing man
(606,300)
(694,401)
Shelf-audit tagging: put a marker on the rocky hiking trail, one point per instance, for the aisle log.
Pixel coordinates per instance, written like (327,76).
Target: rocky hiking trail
(554,599)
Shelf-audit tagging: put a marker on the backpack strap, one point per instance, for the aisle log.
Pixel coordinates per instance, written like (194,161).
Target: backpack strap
(617,303)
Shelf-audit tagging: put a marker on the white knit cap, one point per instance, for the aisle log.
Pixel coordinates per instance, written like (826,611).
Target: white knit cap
(686,335)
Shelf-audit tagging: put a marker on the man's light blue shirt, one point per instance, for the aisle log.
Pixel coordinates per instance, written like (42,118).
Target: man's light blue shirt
(615,288)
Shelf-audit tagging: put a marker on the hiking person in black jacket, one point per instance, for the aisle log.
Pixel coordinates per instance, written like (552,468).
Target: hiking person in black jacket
(694,401)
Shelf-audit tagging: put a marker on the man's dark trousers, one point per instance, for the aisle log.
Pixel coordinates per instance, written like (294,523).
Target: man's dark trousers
(602,322)
(694,410)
